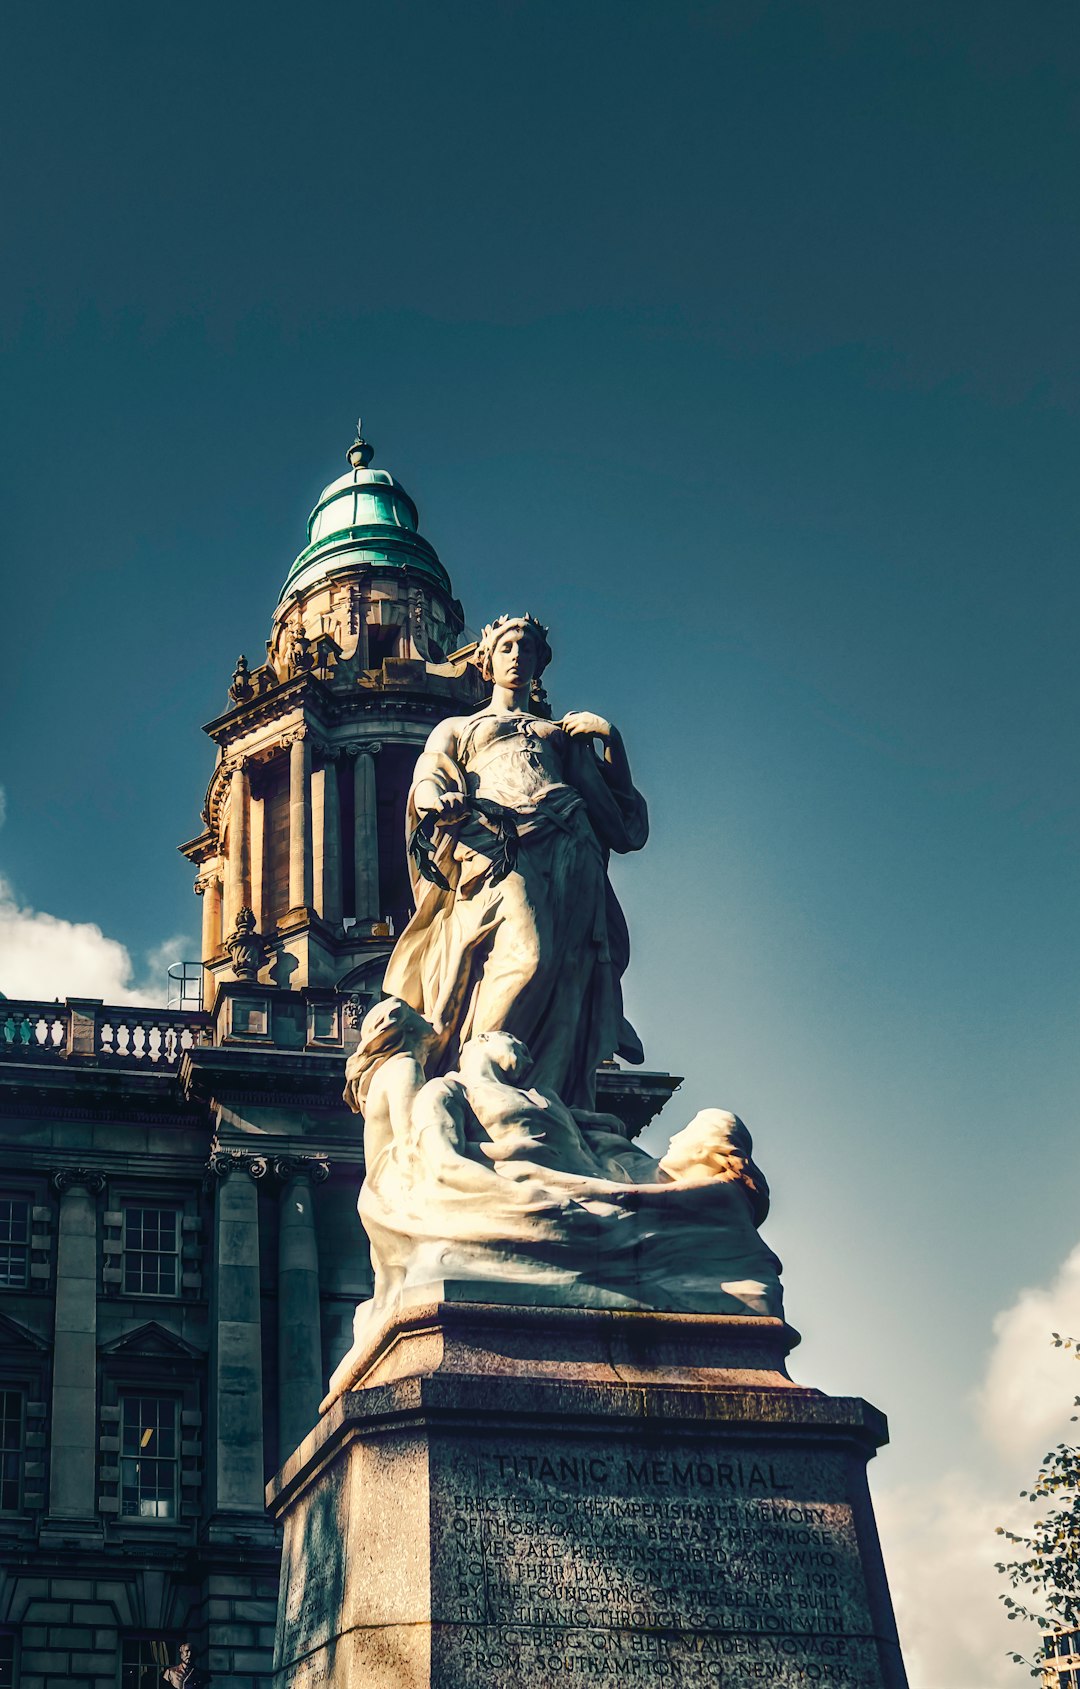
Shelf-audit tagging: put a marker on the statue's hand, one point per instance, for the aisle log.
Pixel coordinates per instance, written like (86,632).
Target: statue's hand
(582,724)
(449,809)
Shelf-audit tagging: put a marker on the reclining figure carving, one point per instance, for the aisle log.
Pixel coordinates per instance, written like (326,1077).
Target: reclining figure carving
(478,1178)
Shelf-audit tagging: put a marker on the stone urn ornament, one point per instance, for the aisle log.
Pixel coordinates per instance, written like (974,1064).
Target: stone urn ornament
(246,946)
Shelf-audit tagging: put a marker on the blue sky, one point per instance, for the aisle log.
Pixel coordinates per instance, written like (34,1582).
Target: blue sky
(739,342)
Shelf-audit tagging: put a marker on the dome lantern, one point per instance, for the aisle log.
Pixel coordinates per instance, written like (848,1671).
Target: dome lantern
(364,519)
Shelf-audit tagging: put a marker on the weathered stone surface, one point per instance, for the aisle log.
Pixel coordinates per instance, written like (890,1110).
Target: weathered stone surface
(465,1527)
(454,1334)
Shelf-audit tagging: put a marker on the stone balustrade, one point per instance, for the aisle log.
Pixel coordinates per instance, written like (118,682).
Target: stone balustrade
(113,1035)
(33,1031)
(156,1040)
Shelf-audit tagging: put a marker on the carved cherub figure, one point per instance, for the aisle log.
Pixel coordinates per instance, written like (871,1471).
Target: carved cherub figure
(413,1126)
(385,1075)
(520,1121)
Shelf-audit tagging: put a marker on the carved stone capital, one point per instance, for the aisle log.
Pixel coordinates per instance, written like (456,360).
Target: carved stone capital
(67,1178)
(205,883)
(222,1162)
(313,1167)
(362,747)
(300,735)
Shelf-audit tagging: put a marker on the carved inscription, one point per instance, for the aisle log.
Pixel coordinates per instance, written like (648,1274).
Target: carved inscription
(632,1566)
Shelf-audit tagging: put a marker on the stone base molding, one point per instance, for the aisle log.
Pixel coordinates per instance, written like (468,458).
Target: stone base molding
(533,1495)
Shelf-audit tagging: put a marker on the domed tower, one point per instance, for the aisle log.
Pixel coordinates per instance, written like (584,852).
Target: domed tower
(302,866)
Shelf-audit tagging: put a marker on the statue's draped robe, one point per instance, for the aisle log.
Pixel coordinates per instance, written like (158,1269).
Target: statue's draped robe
(505,1204)
(541,954)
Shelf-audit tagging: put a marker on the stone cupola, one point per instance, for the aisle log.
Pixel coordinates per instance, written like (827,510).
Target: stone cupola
(305,811)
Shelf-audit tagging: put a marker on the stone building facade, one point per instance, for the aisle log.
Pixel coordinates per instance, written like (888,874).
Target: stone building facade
(179,1250)
(1061,1653)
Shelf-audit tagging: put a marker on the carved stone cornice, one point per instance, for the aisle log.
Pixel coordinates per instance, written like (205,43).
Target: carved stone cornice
(68,1178)
(283,699)
(200,849)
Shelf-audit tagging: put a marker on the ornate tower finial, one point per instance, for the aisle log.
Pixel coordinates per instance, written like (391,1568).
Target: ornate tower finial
(360,453)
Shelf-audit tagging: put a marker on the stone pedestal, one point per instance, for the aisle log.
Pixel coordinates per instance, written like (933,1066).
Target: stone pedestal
(535,1496)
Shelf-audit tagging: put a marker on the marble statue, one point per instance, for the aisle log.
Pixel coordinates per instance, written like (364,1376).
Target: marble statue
(183,1675)
(487,1167)
(482,1178)
(511,819)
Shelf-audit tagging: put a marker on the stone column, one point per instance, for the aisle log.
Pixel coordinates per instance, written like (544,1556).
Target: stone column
(238,866)
(300,820)
(208,887)
(365,832)
(328,855)
(235,1440)
(301,1379)
(257,856)
(73,1457)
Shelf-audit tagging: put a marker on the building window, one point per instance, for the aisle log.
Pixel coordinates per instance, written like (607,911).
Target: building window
(148,1457)
(383,643)
(143,1659)
(7,1659)
(151,1251)
(14,1243)
(11,1450)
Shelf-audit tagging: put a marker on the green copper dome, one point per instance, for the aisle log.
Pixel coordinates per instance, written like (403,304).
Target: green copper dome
(365,519)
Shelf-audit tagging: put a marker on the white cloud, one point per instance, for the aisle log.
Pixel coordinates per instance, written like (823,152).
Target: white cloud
(940,1548)
(1024,1398)
(939,1537)
(43,956)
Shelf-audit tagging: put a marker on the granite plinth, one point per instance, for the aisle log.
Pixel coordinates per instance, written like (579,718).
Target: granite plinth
(447,1330)
(535,1496)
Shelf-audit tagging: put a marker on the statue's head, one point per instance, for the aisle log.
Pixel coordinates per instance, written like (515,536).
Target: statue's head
(392,1026)
(715,1145)
(493,1055)
(184,1657)
(512,651)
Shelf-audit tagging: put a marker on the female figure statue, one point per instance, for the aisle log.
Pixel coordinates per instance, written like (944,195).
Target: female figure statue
(511,821)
